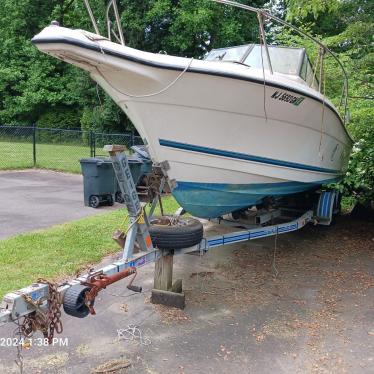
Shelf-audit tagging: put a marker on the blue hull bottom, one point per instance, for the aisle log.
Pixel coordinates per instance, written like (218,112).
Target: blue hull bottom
(211,200)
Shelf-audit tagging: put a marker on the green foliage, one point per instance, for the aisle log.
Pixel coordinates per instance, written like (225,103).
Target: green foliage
(347,28)
(359,180)
(304,8)
(60,117)
(186,27)
(33,84)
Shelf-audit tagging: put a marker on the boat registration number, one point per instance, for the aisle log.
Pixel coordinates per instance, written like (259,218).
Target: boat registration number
(287,98)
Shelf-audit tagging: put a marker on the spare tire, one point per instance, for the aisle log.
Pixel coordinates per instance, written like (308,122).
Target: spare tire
(175,233)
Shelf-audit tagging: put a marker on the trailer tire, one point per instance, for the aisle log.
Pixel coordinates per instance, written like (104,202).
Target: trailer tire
(186,233)
(74,301)
(119,197)
(110,200)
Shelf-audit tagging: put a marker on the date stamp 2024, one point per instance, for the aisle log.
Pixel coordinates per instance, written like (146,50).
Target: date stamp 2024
(28,343)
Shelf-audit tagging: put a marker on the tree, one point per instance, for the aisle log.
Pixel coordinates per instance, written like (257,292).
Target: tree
(347,28)
(34,86)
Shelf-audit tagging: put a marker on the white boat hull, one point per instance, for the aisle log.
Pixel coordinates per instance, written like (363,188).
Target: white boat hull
(230,140)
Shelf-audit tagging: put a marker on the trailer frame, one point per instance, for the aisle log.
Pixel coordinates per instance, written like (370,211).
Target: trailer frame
(17,304)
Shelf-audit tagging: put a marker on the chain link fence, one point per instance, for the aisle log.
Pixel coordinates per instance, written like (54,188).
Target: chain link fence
(57,149)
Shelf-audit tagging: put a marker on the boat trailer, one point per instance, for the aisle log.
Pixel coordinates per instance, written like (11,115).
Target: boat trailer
(43,300)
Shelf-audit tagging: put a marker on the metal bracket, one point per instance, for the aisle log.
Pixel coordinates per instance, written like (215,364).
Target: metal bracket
(164,165)
(138,230)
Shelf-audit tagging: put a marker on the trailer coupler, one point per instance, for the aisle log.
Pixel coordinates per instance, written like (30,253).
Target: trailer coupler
(79,299)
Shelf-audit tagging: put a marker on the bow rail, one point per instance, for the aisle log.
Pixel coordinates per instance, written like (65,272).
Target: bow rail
(262,15)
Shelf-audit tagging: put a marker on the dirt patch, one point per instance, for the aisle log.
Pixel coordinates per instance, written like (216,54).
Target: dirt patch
(112,367)
(320,274)
(171,315)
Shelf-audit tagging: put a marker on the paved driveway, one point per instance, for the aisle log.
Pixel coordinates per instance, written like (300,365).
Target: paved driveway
(36,199)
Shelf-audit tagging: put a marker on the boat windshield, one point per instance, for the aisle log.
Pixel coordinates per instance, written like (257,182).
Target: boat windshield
(233,54)
(285,60)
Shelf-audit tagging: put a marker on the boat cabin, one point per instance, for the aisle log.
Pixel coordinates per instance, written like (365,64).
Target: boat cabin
(284,60)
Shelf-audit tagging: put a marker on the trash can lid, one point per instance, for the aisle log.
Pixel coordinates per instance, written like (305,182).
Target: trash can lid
(141,151)
(134,159)
(94,160)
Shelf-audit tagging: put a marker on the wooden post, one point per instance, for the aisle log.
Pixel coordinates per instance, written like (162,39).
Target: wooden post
(164,291)
(164,273)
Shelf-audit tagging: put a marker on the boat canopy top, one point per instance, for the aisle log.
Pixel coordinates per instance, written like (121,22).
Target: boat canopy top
(285,60)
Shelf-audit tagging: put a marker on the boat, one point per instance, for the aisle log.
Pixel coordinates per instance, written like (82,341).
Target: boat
(245,124)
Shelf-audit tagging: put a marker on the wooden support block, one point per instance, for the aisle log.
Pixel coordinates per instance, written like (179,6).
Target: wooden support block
(165,292)
(119,237)
(173,299)
(177,286)
(164,273)
(112,149)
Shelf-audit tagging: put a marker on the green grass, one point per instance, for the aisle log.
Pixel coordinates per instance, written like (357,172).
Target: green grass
(15,156)
(61,250)
(61,157)
(48,156)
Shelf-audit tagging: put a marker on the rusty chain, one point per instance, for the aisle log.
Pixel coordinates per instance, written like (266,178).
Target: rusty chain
(48,322)
(19,359)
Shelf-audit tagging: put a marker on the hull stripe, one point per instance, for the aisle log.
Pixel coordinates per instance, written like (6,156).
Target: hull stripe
(243,156)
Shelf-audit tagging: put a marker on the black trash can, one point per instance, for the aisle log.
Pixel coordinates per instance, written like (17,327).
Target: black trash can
(99,180)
